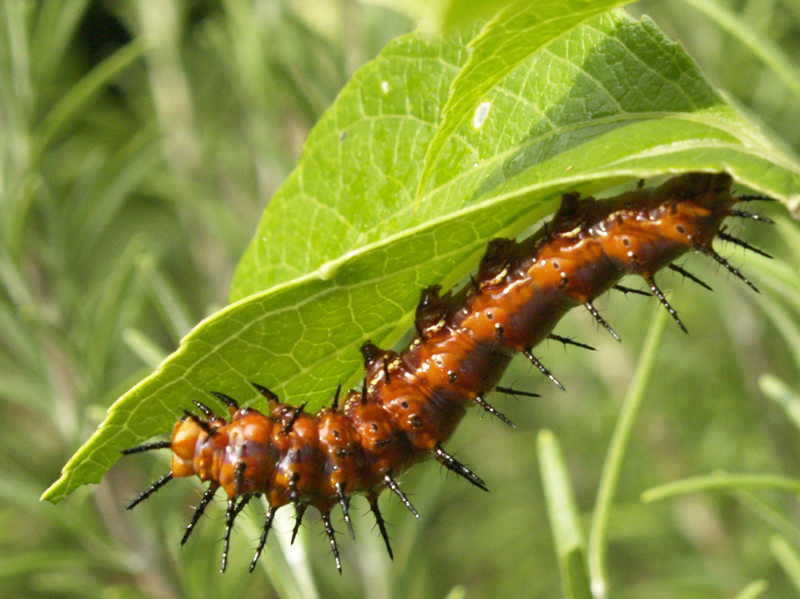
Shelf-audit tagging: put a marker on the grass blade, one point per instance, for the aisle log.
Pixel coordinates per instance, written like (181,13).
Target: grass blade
(761,46)
(564,518)
(770,514)
(782,394)
(616,454)
(83,92)
(753,590)
(722,481)
(787,557)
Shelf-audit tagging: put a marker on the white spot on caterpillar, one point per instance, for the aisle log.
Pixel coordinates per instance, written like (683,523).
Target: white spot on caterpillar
(481,113)
(385,87)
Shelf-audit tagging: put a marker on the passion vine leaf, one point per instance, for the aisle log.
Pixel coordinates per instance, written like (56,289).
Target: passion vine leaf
(514,34)
(346,244)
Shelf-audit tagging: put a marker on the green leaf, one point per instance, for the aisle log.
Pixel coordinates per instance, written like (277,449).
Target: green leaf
(753,590)
(453,13)
(564,518)
(770,513)
(457,592)
(513,35)
(784,395)
(343,249)
(614,99)
(787,557)
(722,481)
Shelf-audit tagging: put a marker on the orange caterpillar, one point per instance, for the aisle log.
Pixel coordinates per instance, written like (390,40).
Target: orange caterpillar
(411,402)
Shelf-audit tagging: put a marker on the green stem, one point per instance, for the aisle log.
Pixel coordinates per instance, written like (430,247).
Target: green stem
(616,455)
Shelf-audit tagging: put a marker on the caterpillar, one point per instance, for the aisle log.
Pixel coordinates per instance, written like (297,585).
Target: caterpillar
(410,403)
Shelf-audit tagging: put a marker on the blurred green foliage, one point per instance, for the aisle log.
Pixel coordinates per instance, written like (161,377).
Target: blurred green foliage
(132,176)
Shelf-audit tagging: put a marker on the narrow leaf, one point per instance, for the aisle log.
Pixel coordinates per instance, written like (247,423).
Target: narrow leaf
(564,518)
(83,92)
(787,557)
(457,592)
(753,590)
(722,482)
(784,395)
(618,448)
(760,45)
(771,514)
(148,350)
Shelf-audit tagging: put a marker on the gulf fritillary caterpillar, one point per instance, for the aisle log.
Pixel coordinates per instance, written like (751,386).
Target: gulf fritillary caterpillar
(411,402)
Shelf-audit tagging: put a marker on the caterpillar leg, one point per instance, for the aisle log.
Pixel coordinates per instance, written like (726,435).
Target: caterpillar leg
(755,197)
(201,507)
(660,295)
(489,408)
(449,462)
(150,490)
(569,341)
(147,447)
(231,403)
(593,311)
(270,516)
(373,505)
(730,268)
(751,216)
(394,488)
(300,510)
(535,361)
(742,244)
(516,392)
(295,415)
(230,516)
(344,501)
(627,290)
(233,511)
(680,270)
(207,412)
(326,518)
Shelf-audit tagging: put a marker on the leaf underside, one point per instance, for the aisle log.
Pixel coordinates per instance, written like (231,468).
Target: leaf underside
(346,244)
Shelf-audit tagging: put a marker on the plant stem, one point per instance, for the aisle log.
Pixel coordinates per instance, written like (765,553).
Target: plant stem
(616,454)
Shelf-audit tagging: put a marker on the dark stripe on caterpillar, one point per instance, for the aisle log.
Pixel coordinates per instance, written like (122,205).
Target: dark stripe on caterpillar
(411,402)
